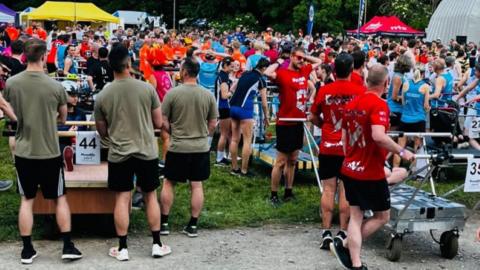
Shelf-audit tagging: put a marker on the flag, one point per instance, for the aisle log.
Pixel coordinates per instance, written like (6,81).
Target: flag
(311,13)
(361,10)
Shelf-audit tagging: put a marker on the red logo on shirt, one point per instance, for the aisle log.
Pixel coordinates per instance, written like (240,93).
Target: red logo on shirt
(302,99)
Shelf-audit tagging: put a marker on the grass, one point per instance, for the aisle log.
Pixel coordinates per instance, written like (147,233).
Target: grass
(229,201)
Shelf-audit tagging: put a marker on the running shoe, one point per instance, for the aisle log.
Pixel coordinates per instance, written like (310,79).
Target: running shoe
(236,172)
(190,231)
(164,229)
(222,163)
(275,201)
(342,253)
(363,267)
(70,252)
(137,200)
(161,164)
(5,185)
(160,251)
(121,255)
(248,174)
(327,238)
(68,158)
(289,198)
(341,235)
(28,254)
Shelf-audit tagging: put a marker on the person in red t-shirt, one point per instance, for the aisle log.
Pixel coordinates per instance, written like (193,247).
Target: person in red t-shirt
(330,102)
(292,83)
(366,144)
(358,67)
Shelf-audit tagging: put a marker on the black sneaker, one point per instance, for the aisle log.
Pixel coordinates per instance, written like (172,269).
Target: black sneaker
(236,172)
(327,238)
(70,252)
(248,174)
(275,201)
(341,235)
(289,198)
(164,229)
(161,164)
(137,200)
(222,163)
(28,254)
(342,253)
(363,267)
(190,231)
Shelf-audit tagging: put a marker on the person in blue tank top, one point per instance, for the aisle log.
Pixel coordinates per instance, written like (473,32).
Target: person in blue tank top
(249,86)
(473,84)
(252,60)
(415,99)
(223,93)
(394,95)
(208,68)
(70,63)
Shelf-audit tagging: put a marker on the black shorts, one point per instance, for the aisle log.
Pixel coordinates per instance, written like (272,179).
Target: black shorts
(395,119)
(121,174)
(46,173)
(368,195)
(289,138)
(223,114)
(180,167)
(412,127)
(329,166)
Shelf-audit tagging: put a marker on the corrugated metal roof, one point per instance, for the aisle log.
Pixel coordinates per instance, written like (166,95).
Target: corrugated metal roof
(455,18)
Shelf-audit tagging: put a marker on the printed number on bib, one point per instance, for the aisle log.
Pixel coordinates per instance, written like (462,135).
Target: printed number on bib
(88,148)
(92,143)
(472,180)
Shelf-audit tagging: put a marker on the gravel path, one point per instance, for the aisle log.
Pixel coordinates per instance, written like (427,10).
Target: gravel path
(270,247)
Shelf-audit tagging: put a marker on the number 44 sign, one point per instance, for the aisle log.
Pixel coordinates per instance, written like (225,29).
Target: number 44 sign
(472,180)
(87,148)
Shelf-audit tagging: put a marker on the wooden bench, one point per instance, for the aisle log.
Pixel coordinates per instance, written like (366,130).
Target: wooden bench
(87,192)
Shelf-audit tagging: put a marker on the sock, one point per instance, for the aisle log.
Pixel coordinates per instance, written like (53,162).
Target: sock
(156,237)
(122,242)
(288,192)
(274,194)
(27,242)
(220,156)
(66,236)
(193,221)
(164,218)
(210,141)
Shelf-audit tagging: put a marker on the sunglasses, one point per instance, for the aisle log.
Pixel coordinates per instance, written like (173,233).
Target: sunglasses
(299,57)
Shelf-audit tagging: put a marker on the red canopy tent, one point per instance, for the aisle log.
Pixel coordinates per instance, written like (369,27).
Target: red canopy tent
(387,26)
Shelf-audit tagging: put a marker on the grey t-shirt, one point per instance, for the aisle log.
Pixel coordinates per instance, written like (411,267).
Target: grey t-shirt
(35,99)
(188,109)
(126,105)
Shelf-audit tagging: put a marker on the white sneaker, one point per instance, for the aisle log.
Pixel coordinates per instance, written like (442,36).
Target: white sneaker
(121,255)
(160,251)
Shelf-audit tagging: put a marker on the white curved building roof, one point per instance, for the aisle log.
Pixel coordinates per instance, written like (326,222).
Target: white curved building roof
(455,18)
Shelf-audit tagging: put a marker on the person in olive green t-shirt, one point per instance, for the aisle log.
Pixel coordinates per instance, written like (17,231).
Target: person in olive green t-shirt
(126,112)
(190,113)
(39,103)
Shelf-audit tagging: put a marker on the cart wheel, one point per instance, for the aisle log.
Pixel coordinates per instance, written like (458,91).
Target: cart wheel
(394,250)
(449,244)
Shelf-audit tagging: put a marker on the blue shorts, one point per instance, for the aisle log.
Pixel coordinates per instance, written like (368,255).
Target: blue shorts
(239,113)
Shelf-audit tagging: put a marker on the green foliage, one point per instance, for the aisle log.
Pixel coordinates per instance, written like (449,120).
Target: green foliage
(415,13)
(248,21)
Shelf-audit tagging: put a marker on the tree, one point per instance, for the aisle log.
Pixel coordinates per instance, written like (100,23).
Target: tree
(416,13)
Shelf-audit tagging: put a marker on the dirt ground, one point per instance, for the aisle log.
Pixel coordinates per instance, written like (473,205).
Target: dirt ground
(269,247)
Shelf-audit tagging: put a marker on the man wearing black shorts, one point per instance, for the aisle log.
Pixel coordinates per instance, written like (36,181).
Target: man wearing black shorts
(127,111)
(366,144)
(190,114)
(327,113)
(39,103)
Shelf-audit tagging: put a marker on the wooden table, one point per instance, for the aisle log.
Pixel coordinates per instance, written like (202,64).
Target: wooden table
(87,192)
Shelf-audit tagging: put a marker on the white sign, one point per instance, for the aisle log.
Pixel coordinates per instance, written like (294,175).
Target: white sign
(474,130)
(87,150)
(472,180)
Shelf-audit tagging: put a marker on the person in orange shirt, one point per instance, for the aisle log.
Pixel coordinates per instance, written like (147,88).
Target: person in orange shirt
(37,32)
(12,32)
(144,53)
(167,48)
(179,51)
(238,56)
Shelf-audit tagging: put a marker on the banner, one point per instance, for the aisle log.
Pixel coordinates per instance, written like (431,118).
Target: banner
(361,10)
(311,13)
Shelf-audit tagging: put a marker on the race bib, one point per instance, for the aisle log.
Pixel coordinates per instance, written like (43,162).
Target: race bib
(474,129)
(87,150)
(472,180)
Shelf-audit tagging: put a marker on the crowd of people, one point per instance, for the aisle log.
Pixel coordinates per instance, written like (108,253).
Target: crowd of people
(190,83)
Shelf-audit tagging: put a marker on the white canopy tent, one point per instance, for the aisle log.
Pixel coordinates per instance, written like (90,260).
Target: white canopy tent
(455,18)
(130,17)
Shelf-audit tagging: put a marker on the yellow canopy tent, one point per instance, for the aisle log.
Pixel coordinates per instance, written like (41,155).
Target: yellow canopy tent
(71,11)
